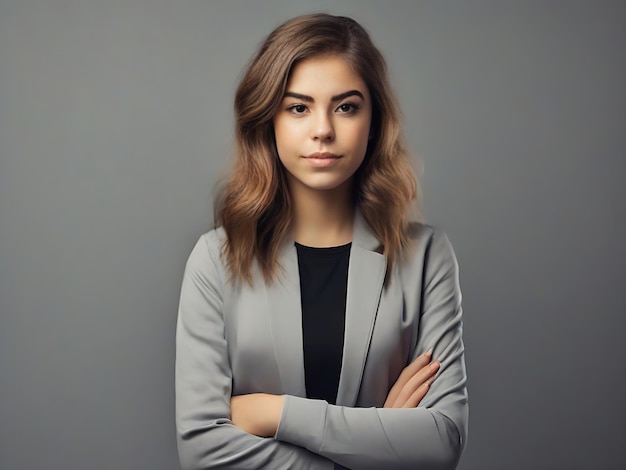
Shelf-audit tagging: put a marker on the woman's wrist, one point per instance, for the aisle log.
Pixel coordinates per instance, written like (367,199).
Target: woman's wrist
(257,413)
(275,411)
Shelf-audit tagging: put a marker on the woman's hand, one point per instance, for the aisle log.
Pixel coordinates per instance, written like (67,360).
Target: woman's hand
(413,383)
(257,413)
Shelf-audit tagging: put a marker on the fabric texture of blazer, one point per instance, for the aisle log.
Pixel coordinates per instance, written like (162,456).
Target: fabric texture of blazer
(234,339)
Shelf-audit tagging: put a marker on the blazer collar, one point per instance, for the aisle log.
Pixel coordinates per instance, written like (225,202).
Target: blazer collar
(362,235)
(366,274)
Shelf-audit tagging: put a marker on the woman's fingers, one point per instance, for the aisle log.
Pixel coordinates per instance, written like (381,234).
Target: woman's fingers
(417,395)
(407,374)
(411,388)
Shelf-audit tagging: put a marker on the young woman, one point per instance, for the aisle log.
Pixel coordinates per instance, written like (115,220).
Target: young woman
(317,326)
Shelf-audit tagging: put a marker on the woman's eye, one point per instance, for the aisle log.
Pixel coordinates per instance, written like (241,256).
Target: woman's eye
(347,108)
(298,108)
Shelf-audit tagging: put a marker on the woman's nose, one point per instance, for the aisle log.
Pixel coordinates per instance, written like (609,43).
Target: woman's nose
(322,128)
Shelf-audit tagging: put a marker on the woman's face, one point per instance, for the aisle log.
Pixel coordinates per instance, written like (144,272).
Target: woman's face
(323,124)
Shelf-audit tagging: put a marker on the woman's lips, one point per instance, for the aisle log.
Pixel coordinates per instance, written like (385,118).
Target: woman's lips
(322,159)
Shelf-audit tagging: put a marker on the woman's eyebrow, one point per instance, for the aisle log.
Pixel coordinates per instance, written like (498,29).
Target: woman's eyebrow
(341,96)
(338,97)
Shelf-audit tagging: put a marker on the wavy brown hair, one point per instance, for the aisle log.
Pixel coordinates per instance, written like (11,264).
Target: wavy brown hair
(254,206)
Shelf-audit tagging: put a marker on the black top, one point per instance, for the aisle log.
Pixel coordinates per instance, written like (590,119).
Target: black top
(323,288)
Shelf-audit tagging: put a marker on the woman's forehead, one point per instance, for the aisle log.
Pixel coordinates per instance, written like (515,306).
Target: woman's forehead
(325,77)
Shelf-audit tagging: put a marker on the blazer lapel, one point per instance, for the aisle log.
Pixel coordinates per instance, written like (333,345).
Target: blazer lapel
(283,300)
(366,275)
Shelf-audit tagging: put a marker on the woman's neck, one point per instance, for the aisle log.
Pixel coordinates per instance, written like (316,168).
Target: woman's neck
(322,218)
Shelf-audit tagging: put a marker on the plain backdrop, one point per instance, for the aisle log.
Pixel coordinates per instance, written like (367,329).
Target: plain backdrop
(116,122)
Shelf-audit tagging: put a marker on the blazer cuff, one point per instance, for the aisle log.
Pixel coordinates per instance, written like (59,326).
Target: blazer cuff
(302,422)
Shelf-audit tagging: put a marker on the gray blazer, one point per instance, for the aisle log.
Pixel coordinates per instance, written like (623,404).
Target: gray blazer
(234,339)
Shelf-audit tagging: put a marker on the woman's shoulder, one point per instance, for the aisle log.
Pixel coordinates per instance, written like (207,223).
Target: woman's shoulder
(213,239)
(425,232)
(207,251)
(419,229)
(429,241)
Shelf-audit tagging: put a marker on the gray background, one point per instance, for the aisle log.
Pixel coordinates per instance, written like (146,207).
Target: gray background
(115,122)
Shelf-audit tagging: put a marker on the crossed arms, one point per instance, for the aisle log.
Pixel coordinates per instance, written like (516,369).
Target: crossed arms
(421,425)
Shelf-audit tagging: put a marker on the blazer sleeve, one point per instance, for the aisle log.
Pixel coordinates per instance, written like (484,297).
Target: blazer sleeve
(431,436)
(206,435)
